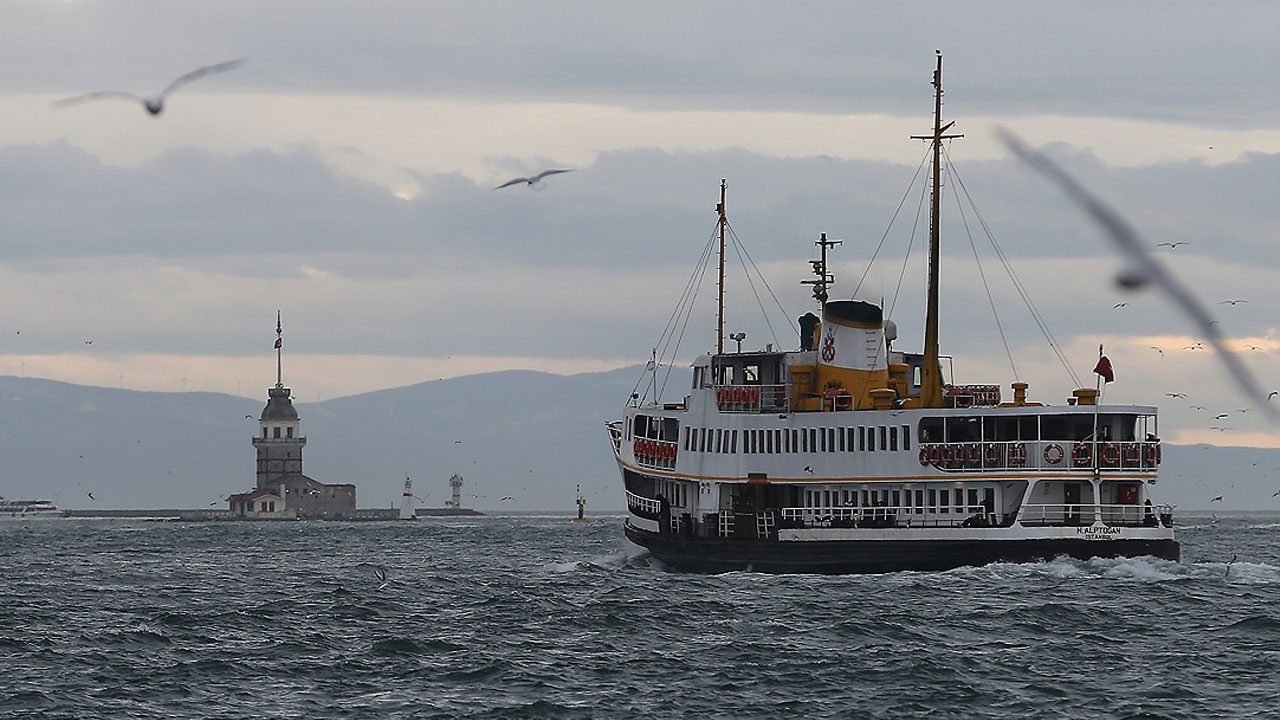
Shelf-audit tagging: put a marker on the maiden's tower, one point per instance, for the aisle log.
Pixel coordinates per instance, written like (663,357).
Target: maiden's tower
(282,491)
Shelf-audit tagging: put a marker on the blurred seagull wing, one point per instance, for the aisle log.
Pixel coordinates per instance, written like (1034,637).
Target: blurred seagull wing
(89,97)
(515,181)
(1126,239)
(545,173)
(197,74)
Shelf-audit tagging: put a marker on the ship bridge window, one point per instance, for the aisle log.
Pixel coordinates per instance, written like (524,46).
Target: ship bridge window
(700,378)
(893,438)
(931,430)
(1002,428)
(963,429)
(1071,427)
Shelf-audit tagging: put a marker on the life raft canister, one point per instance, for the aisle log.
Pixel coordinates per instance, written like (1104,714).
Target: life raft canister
(1132,453)
(1018,454)
(992,454)
(1053,453)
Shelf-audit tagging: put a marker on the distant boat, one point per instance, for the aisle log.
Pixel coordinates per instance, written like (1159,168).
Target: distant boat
(29,509)
(846,455)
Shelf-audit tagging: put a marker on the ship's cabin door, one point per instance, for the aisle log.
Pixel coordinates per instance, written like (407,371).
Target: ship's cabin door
(1071,503)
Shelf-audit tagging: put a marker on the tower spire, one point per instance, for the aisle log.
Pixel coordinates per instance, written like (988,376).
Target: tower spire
(279,344)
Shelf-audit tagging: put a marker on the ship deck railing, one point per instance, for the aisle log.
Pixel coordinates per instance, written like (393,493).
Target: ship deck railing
(1125,515)
(752,398)
(1041,455)
(886,516)
(643,506)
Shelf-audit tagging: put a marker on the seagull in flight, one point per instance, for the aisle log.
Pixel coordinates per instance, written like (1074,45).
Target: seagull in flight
(1173,245)
(1140,267)
(1232,302)
(534,182)
(1153,347)
(1217,499)
(1219,416)
(1120,305)
(1176,395)
(155,103)
(1275,494)
(1272,394)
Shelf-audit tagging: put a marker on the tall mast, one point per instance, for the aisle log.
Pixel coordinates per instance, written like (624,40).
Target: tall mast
(279,342)
(931,373)
(724,220)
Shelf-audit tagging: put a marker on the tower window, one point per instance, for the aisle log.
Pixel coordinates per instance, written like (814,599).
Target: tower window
(276,433)
(289,432)
(264,433)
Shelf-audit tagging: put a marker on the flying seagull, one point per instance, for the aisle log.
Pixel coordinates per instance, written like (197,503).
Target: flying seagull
(1217,499)
(1120,305)
(1176,394)
(534,182)
(155,103)
(1173,245)
(1140,267)
(1272,394)
(1153,347)
(1232,302)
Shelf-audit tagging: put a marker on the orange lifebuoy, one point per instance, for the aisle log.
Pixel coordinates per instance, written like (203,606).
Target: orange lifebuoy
(924,455)
(935,454)
(1110,454)
(753,395)
(1053,453)
(1080,454)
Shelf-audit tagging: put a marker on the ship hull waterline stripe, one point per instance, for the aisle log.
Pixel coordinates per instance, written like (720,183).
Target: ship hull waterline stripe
(846,557)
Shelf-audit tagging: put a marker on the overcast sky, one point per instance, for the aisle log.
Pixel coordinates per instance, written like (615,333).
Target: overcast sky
(344,176)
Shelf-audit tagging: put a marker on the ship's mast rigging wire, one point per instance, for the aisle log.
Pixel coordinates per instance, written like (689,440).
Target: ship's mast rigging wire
(1013,278)
(669,341)
(673,334)
(977,260)
(885,235)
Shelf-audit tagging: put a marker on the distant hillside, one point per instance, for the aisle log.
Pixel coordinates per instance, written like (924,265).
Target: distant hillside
(529,435)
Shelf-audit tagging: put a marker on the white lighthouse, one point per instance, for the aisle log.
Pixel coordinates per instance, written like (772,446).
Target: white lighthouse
(455,484)
(407,511)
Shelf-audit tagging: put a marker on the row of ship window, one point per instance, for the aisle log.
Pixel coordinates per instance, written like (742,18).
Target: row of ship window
(918,501)
(800,440)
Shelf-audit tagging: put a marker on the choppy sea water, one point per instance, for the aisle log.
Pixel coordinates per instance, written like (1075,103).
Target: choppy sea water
(540,617)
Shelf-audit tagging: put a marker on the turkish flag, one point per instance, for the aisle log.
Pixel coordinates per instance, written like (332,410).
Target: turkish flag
(280,341)
(1103,368)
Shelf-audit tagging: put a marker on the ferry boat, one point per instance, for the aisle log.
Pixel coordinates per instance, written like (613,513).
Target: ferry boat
(29,509)
(846,455)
